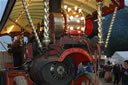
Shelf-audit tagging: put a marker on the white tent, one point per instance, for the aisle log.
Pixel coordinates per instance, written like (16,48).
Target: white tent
(120,56)
(113,61)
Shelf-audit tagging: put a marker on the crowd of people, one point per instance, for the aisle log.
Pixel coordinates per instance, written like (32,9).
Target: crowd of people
(117,73)
(120,73)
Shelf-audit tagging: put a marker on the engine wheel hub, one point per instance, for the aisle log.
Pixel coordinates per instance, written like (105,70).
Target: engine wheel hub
(58,70)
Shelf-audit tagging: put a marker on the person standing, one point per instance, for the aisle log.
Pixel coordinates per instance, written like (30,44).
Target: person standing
(116,71)
(89,68)
(108,73)
(125,73)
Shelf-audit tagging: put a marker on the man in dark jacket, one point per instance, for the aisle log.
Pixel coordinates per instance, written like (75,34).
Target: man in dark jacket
(125,73)
(116,71)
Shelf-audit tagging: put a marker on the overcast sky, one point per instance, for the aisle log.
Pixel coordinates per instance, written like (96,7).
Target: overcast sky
(7,39)
(2,7)
(126,2)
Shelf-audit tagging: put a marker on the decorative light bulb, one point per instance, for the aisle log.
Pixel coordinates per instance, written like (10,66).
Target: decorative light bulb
(71,17)
(71,28)
(82,18)
(10,29)
(65,6)
(80,10)
(105,57)
(79,32)
(69,9)
(74,12)
(78,28)
(83,29)
(77,16)
(75,8)
(78,21)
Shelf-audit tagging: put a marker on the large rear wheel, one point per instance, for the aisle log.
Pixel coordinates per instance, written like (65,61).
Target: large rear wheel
(57,73)
(87,79)
(53,72)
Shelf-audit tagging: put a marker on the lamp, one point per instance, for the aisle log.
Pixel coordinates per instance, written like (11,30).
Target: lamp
(10,28)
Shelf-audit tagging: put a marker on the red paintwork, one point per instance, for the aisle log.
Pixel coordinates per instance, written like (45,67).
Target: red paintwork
(78,55)
(107,10)
(65,24)
(89,27)
(12,74)
(75,32)
(52,52)
(118,4)
(80,80)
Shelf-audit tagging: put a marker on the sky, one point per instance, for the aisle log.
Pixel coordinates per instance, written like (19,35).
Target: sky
(2,7)
(7,39)
(126,2)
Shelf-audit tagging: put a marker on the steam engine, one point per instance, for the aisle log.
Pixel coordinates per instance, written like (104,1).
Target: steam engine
(57,63)
(65,45)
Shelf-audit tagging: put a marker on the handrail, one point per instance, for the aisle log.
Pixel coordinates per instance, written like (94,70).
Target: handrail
(3,45)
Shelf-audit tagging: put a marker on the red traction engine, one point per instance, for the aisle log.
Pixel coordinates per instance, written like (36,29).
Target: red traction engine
(69,47)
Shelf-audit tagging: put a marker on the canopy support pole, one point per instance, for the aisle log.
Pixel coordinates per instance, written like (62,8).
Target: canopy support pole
(31,23)
(46,22)
(100,27)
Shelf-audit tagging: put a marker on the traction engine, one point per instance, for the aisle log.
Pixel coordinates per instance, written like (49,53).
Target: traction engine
(60,52)
(69,47)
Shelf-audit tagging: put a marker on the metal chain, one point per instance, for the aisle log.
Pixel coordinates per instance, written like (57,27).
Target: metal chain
(100,32)
(110,27)
(31,23)
(46,22)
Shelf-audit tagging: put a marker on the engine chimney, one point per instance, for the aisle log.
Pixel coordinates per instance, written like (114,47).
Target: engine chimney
(54,6)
